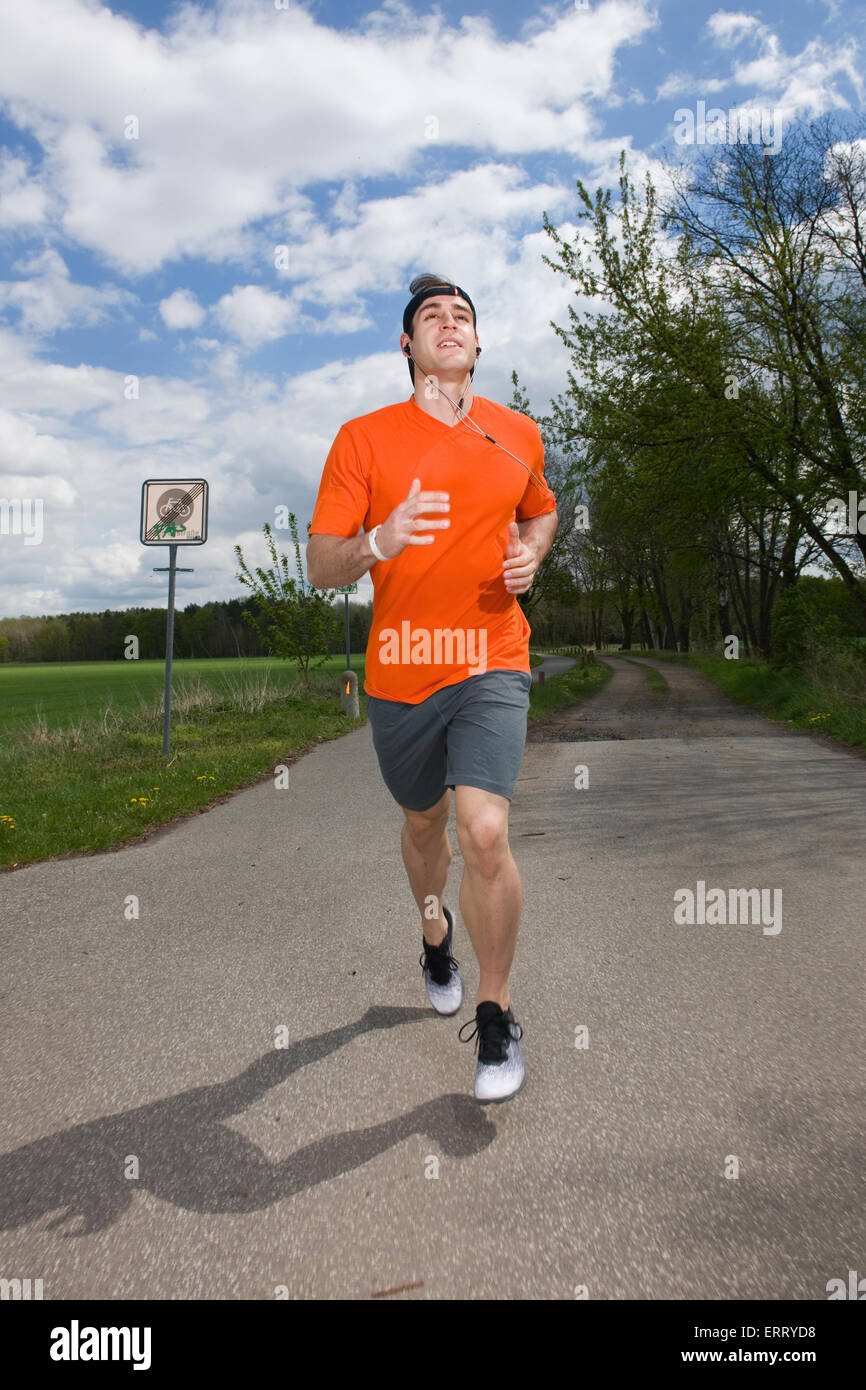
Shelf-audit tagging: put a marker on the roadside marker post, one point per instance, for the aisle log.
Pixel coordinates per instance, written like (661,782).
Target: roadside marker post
(173,513)
(349,680)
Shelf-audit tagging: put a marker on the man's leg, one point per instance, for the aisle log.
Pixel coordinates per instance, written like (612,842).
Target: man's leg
(427,855)
(491,894)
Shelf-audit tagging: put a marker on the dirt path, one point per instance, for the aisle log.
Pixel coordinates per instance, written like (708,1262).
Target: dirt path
(626,708)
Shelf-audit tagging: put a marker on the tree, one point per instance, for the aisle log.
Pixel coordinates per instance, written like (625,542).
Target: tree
(295,621)
(783,240)
(552,576)
(716,402)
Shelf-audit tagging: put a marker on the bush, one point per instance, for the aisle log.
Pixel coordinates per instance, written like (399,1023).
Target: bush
(811,620)
(792,624)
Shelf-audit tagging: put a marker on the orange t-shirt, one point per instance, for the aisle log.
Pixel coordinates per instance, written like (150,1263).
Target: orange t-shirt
(441,612)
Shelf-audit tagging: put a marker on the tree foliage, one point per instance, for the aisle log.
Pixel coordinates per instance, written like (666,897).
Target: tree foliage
(293,620)
(714,407)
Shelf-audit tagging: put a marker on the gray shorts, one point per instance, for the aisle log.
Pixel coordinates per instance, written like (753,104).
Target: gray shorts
(468,734)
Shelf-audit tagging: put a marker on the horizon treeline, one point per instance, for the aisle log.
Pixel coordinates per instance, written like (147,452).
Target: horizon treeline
(215,629)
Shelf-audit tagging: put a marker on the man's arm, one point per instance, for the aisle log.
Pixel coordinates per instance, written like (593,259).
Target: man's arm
(334,561)
(538,533)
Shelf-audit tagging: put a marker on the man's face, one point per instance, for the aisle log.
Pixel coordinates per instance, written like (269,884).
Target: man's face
(443,335)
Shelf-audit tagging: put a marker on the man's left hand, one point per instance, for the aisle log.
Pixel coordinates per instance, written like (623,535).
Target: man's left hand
(520,563)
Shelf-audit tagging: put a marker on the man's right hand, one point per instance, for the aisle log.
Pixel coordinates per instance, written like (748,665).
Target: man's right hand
(406,519)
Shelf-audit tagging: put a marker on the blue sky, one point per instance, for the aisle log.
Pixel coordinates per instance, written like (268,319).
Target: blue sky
(154,156)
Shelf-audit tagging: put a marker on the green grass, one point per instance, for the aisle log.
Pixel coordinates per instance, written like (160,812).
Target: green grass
(567,689)
(81,765)
(89,775)
(63,691)
(782,695)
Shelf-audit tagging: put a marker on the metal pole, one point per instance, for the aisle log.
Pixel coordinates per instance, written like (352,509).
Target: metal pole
(169,650)
(348,648)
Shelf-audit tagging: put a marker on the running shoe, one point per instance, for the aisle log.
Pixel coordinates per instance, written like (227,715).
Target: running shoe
(500,1073)
(441,974)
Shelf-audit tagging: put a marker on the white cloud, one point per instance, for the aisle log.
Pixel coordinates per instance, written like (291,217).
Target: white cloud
(30,385)
(118,561)
(23,200)
(729,27)
(164,411)
(26,455)
(47,300)
(788,85)
(803,83)
(475,213)
(181,310)
(686,84)
(225,139)
(255,315)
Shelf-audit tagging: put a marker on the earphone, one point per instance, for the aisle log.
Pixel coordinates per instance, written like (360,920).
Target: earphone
(467,420)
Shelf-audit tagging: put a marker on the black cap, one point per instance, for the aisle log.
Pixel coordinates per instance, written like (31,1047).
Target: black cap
(434,291)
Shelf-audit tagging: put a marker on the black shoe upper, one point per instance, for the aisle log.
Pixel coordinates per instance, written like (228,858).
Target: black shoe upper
(494,1028)
(438,959)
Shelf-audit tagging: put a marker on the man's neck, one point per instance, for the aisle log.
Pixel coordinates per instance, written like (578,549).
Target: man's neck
(435,403)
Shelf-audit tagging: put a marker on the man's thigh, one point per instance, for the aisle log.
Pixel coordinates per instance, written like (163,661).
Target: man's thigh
(410,744)
(472,733)
(487,732)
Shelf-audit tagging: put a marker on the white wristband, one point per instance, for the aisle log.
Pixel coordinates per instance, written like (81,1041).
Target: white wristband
(371,537)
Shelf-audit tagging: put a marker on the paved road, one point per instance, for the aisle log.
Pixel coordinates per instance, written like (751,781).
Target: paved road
(151,1042)
(553,666)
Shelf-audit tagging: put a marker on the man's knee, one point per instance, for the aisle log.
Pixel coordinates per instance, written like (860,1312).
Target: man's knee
(482,827)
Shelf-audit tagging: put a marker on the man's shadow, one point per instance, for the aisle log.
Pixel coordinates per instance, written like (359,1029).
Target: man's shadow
(188,1157)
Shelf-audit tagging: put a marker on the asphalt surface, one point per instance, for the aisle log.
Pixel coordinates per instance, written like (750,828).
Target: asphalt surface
(162,1138)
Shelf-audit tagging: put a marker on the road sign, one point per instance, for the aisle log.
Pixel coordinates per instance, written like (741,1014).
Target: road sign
(348,589)
(174,511)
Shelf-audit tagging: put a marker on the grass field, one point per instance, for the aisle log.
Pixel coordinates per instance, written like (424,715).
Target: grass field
(63,692)
(81,765)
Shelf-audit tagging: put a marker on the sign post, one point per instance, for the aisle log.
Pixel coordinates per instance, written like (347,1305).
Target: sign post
(173,513)
(349,681)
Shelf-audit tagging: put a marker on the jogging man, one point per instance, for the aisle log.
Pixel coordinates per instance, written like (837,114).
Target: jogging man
(457,518)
